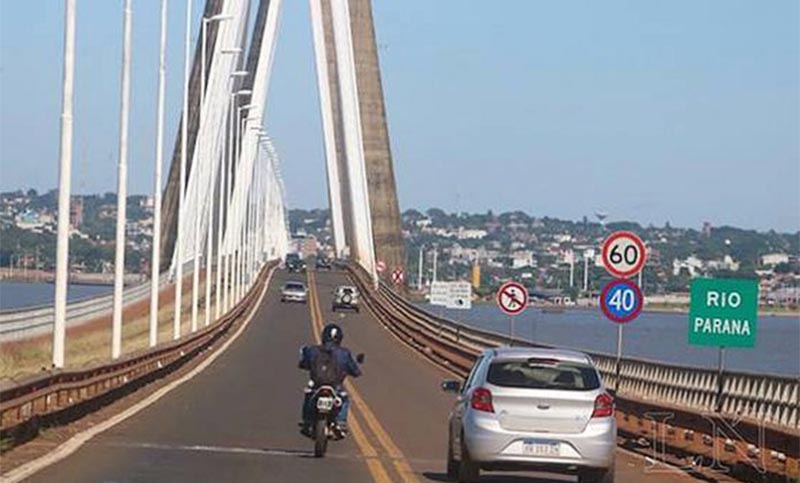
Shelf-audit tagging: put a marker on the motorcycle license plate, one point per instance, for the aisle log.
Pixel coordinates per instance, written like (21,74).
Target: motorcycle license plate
(325,404)
(537,447)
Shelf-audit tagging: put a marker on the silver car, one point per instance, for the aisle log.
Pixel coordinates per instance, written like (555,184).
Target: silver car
(526,409)
(294,292)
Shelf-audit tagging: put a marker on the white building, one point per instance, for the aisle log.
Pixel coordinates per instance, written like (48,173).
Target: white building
(772,259)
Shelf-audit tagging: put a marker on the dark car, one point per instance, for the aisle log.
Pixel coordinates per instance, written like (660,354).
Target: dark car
(294,263)
(323,263)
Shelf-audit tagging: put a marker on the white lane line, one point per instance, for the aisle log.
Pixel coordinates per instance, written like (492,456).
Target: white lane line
(74,443)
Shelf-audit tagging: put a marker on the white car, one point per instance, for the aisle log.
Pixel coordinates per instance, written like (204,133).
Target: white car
(294,292)
(524,409)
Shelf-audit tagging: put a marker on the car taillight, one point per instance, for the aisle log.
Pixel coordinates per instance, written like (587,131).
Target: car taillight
(482,400)
(603,406)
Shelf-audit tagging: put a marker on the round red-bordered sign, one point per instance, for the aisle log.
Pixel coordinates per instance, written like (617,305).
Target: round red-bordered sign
(623,268)
(380,266)
(621,314)
(512,298)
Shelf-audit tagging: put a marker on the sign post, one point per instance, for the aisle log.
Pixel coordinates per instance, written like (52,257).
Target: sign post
(623,255)
(512,298)
(723,313)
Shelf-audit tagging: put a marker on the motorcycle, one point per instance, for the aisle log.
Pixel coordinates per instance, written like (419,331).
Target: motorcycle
(326,403)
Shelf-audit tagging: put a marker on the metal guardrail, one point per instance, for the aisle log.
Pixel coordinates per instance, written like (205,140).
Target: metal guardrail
(770,398)
(25,323)
(759,411)
(58,397)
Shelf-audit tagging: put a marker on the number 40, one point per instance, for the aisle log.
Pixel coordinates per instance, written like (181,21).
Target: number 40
(624,300)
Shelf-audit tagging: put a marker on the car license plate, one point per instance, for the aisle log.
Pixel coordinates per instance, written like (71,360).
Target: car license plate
(325,404)
(533,447)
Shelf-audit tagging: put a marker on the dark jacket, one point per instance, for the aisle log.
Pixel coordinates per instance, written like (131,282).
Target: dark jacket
(342,356)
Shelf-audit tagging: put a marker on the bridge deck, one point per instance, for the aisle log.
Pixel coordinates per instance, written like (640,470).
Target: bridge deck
(237,420)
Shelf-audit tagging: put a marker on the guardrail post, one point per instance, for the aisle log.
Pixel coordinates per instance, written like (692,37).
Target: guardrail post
(720,380)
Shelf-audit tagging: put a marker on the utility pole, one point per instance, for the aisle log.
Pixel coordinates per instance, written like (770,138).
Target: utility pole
(176,321)
(419,267)
(155,259)
(122,184)
(64,175)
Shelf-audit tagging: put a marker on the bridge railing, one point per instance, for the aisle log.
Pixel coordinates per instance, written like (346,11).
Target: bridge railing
(769,398)
(24,323)
(761,411)
(60,396)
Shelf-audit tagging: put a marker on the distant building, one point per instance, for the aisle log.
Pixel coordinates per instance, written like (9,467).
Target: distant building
(772,259)
(76,212)
(470,234)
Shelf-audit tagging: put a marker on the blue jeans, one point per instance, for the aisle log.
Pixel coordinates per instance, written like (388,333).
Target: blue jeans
(308,408)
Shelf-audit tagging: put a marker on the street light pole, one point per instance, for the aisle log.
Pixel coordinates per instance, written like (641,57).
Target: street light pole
(155,258)
(64,176)
(122,184)
(176,321)
(209,228)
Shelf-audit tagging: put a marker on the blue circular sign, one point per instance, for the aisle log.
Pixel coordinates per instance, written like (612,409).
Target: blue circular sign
(621,300)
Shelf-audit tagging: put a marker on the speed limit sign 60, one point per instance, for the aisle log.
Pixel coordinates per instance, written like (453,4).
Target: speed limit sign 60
(623,254)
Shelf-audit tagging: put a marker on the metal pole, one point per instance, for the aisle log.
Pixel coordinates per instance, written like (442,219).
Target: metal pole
(619,357)
(122,184)
(585,273)
(64,176)
(419,268)
(196,168)
(176,322)
(511,328)
(571,269)
(155,258)
(221,204)
(435,255)
(720,378)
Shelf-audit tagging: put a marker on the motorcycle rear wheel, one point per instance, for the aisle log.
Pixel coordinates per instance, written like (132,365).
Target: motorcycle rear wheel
(320,438)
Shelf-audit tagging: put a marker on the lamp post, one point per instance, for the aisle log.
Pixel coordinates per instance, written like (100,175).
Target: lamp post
(64,176)
(155,257)
(200,154)
(122,183)
(228,192)
(176,320)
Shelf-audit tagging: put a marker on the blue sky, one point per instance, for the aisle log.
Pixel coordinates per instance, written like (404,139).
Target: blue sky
(680,111)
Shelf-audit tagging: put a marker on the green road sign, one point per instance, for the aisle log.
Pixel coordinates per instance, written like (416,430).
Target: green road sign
(723,312)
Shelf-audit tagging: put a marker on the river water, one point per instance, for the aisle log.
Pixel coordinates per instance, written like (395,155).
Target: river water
(653,335)
(15,295)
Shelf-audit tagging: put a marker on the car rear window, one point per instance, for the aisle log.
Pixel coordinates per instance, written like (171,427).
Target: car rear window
(294,286)
(543,374)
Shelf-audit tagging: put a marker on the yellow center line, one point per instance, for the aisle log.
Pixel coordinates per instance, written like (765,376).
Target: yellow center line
(374,465)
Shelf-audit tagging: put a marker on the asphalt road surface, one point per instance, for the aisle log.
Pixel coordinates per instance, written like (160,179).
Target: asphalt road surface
(237,420)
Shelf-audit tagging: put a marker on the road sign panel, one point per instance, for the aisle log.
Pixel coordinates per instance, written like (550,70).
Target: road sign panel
(453,295)
(398,276)
(621,300)
(723,312)
(440,293)
(623,254)
(512,298)
(460,296)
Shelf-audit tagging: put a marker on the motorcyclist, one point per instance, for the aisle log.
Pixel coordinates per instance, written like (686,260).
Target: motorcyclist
(346,365)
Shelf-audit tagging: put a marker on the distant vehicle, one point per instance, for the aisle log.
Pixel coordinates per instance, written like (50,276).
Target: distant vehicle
(532,409)
(294,263)
(345,297)
(294,292)
(323,263)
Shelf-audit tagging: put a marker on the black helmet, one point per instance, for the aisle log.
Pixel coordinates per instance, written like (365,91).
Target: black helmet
(332,333)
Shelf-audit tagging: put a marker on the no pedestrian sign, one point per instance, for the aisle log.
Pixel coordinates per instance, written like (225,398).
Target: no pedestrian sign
(723,312)
(512,298)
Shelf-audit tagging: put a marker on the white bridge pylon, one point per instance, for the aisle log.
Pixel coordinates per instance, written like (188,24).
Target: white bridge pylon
(212,145)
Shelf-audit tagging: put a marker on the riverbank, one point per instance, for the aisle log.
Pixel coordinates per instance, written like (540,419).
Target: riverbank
(75,278)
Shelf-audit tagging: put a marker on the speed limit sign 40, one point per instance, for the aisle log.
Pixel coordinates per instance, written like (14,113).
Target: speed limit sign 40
(623,254)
